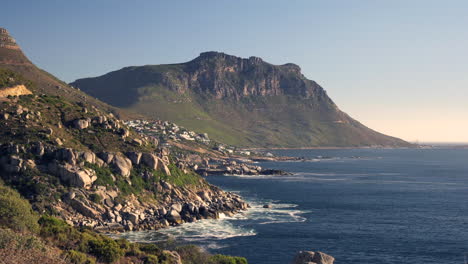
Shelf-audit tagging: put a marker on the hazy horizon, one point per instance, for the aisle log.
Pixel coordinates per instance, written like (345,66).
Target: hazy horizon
(398,67)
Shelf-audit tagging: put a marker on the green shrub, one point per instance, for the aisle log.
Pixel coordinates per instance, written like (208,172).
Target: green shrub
(77,257)
(179,178)
(222,259)
(134,250)
(124,244)
(13,240)
(151,259)
(105,249)
(15,212)
(150,249)
(191,254)
(62,234)
(10,78)
(103,174)
(95,197)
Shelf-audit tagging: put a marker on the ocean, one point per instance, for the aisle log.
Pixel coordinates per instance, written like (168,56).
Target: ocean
(358,205)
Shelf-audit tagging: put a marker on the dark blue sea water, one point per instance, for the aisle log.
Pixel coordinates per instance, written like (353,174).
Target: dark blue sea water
(358,205)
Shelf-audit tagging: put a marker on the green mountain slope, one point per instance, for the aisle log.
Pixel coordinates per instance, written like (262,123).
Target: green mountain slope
(245,102)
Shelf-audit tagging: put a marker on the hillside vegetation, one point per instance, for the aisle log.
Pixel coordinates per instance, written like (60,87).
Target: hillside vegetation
(27,237)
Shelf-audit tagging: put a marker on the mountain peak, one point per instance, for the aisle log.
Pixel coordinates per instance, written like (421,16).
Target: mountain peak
(222,55)
(6,41)
(10,52)
(252,60)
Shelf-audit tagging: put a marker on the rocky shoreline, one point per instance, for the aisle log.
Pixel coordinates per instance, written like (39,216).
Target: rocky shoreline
(111,212)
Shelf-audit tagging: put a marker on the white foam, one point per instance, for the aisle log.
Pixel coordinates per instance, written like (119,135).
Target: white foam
(207,232)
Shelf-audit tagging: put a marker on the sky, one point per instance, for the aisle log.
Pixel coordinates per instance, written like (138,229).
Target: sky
(398,66)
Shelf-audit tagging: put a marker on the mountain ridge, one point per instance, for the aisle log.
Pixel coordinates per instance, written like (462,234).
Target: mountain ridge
(242,101)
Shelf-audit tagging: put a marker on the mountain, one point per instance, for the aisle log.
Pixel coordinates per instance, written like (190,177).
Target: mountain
(245,102)
(13,58)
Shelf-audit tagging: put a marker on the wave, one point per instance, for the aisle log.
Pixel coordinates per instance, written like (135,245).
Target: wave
(208,233)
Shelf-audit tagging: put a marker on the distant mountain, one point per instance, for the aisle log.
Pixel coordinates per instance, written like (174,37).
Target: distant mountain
(246,102)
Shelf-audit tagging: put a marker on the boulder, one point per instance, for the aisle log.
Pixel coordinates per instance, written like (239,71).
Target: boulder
(137,142)
(174,217)
(162,211)
(73,175)
(307,257)
(177,207)
(150,160)
(58,141)
(12,164)
(31,164)
(204,195)
(166,169)
(135,157)
(100,119)
(166,185)
(38,149)
(81,123)
(67,155)
(89,157)
(107,157)
(84,209)
(133,218)
(99,162)
(123,132)
(122,164)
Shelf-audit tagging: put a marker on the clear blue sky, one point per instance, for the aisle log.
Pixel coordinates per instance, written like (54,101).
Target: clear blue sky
(398,66)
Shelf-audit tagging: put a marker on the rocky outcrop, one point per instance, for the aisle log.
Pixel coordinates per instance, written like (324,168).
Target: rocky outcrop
(230,167)
(72,175)
(81,123)
(310,257)
(150,160)
(135,157)
(96,206)
(122,164)
(14,91)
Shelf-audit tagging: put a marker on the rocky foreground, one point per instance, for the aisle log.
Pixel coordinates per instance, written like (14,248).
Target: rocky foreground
(177,204)
(310,257)
(90,169)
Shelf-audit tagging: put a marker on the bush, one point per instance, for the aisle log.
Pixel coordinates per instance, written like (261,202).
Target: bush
(151,259)
(77,257)
(105,249)
(15,212)
(191,254)
(150,249)
(103,174)
(95,197)
(60,233)
(10,239)
(222,259)
(134,250)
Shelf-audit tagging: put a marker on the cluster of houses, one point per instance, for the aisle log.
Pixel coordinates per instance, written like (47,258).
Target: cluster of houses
(167,131)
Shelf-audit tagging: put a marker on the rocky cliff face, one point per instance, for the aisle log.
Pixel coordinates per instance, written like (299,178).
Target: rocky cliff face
(246,102)
(229,77)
